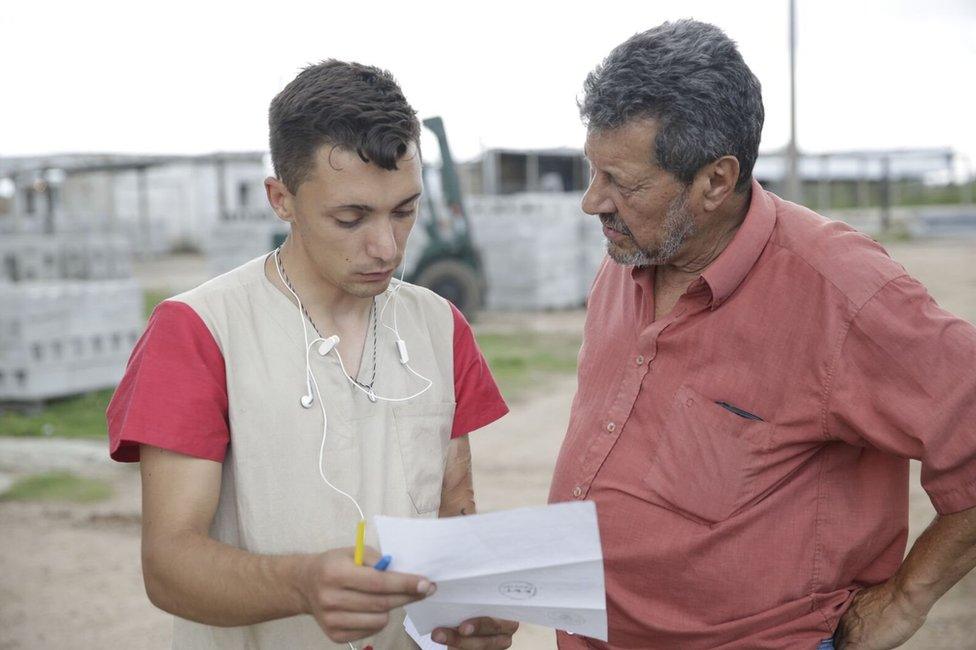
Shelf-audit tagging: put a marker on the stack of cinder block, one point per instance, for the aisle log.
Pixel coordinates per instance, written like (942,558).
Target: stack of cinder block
(70,312)
(540,250)
(234,242)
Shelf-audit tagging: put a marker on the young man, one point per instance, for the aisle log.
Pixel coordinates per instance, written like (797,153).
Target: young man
(259,453)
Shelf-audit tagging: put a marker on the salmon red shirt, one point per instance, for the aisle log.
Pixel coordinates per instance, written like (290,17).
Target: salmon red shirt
(748,452)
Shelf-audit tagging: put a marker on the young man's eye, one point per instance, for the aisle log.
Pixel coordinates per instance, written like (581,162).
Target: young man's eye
(351,223)
(403,214)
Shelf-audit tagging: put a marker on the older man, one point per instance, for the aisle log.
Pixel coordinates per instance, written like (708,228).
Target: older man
(753,381)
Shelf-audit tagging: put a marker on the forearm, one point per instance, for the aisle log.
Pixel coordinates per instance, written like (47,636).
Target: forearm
(941,556)
(198,578)
(457,491)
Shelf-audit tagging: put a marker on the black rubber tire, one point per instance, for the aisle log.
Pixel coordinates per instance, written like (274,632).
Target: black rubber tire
(456,281)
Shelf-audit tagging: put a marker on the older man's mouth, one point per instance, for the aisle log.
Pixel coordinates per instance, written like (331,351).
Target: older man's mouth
(614,235)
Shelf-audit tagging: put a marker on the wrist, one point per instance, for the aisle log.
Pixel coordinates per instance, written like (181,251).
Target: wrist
(913,598)
(295,572)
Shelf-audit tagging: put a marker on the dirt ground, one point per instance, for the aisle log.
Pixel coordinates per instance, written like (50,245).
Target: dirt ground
(70,578)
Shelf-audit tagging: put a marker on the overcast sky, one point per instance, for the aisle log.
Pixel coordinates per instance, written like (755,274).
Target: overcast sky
(196,77)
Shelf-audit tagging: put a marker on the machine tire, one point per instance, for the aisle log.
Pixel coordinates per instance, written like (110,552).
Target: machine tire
(456,281)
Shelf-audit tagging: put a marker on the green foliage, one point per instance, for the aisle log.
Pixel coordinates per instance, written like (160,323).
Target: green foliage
(58,486)
(844,195)
(75,417)
(152,298)
(521,360)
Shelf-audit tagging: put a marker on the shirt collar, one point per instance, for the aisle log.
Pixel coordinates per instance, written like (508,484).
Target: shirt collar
(732,265)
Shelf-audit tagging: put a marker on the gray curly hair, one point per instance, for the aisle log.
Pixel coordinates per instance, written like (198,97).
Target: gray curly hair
(690,77)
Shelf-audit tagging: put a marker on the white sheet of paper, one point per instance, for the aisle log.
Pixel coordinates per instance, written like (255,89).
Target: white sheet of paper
(538,565)
(424,641)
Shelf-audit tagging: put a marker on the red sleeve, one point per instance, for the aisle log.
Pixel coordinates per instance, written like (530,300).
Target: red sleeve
(479,402)
(174,391)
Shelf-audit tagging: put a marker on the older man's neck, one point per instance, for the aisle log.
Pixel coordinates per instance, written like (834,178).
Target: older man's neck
(714,235)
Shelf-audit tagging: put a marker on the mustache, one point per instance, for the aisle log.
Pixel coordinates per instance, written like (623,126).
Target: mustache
(612,220)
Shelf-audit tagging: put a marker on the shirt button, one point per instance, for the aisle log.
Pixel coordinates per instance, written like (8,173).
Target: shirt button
(577,492)
(640,360)
(611,427)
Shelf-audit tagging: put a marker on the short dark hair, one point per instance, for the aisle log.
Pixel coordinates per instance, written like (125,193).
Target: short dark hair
(690,77)
(357,107)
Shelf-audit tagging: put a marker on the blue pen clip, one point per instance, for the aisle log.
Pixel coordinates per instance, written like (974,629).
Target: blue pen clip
(383,563)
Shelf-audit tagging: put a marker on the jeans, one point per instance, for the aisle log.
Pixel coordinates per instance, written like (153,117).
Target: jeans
(826,644)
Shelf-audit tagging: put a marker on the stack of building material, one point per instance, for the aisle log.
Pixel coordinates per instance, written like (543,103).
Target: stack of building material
(594,245)
(234,242)
(538,249)
(28,257)
(70,313)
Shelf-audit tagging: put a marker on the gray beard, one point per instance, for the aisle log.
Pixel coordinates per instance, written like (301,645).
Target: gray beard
(678,228)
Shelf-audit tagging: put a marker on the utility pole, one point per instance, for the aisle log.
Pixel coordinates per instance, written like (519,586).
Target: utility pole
(794,190)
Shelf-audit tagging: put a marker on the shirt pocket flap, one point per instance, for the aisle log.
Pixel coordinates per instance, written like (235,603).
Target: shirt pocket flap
(706,459)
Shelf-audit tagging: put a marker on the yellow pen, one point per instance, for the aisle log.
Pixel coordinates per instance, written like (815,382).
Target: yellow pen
(360,542)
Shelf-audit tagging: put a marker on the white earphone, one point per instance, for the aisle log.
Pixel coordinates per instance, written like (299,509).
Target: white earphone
(327,346)
(324,348)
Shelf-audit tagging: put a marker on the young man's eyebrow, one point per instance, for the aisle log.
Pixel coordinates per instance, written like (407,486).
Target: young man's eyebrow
(408,200)
(362,207)
(358,207)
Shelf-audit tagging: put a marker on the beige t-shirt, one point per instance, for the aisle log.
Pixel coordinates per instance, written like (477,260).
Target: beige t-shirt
(389,455)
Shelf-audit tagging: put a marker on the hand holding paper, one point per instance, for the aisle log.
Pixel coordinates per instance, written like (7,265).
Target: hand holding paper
(350,602)
(537,565)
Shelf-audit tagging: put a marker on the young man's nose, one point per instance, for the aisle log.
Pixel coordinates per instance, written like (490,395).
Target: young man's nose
(381,242)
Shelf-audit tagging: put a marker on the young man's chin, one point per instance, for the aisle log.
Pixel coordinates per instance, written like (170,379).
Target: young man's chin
(366,289)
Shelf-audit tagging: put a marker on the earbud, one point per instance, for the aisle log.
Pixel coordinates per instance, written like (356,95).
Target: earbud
(328,344)
(307,398)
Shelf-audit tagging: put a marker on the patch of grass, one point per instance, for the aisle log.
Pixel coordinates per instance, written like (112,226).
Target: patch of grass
(58,486)
(521,360)
(152,298)
(897,233)
(74,417)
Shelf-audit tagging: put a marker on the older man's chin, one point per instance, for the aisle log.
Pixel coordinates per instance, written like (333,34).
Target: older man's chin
(630,256)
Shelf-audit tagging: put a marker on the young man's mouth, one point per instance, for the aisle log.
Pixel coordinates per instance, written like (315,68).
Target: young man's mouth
(377,276)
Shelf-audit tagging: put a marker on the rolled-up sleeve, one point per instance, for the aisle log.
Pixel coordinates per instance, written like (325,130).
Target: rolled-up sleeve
(905,382)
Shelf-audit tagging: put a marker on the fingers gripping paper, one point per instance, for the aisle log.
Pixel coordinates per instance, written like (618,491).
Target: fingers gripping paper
(536,565)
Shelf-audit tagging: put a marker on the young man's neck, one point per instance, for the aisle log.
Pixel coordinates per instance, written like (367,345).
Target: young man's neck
(316,292)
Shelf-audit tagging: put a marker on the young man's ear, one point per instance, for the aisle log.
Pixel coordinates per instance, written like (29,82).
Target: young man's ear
(280,199)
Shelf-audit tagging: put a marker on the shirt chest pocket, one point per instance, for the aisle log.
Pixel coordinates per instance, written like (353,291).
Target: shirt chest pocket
(423,432)
(707,462)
